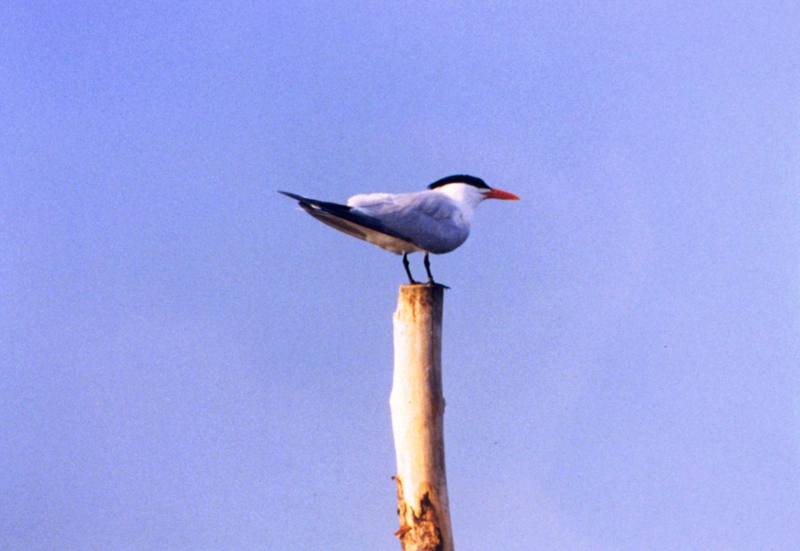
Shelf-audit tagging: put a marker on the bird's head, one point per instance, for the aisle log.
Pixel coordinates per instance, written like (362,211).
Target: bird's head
(469,190)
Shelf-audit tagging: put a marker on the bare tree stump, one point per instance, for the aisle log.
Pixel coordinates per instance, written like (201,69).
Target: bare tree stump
(417,408)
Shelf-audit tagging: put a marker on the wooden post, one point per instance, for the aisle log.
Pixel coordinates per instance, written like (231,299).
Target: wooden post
(417,408)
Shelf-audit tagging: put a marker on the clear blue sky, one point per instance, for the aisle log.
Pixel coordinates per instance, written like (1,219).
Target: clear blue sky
(191,363)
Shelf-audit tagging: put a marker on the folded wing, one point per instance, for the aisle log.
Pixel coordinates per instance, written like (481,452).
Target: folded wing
(400,223)
(430,220)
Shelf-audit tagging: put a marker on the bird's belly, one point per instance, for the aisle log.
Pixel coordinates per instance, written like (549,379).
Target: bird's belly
(392,244)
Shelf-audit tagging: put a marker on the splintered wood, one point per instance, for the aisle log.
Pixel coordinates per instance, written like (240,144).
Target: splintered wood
(417,406)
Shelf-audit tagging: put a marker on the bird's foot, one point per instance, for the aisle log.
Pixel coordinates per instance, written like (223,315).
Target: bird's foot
(433,283)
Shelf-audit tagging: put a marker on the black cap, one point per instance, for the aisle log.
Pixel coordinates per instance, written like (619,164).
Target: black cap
(460,179)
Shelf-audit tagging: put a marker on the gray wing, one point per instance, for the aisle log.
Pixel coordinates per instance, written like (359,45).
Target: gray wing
(428,219)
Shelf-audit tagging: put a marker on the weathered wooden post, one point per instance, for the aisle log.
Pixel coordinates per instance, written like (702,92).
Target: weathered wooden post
(417,406)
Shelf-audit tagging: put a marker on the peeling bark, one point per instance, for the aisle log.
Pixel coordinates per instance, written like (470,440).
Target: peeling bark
(418,531)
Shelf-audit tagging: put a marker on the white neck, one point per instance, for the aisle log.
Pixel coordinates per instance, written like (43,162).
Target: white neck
(467,197)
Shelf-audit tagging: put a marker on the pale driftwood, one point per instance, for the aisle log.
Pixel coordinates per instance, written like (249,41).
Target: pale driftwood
(417,408)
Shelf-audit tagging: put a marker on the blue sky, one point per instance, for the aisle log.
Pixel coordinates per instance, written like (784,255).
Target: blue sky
(190,363)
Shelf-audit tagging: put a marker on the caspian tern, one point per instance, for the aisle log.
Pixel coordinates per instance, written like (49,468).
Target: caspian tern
(436,220)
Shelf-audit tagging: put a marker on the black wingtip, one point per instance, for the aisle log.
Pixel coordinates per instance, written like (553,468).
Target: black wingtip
(292,195)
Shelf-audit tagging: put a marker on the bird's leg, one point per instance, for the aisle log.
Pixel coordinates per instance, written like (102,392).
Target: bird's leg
(427,263)
(408,271)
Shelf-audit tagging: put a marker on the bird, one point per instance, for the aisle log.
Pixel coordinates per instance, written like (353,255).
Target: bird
(436,220)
